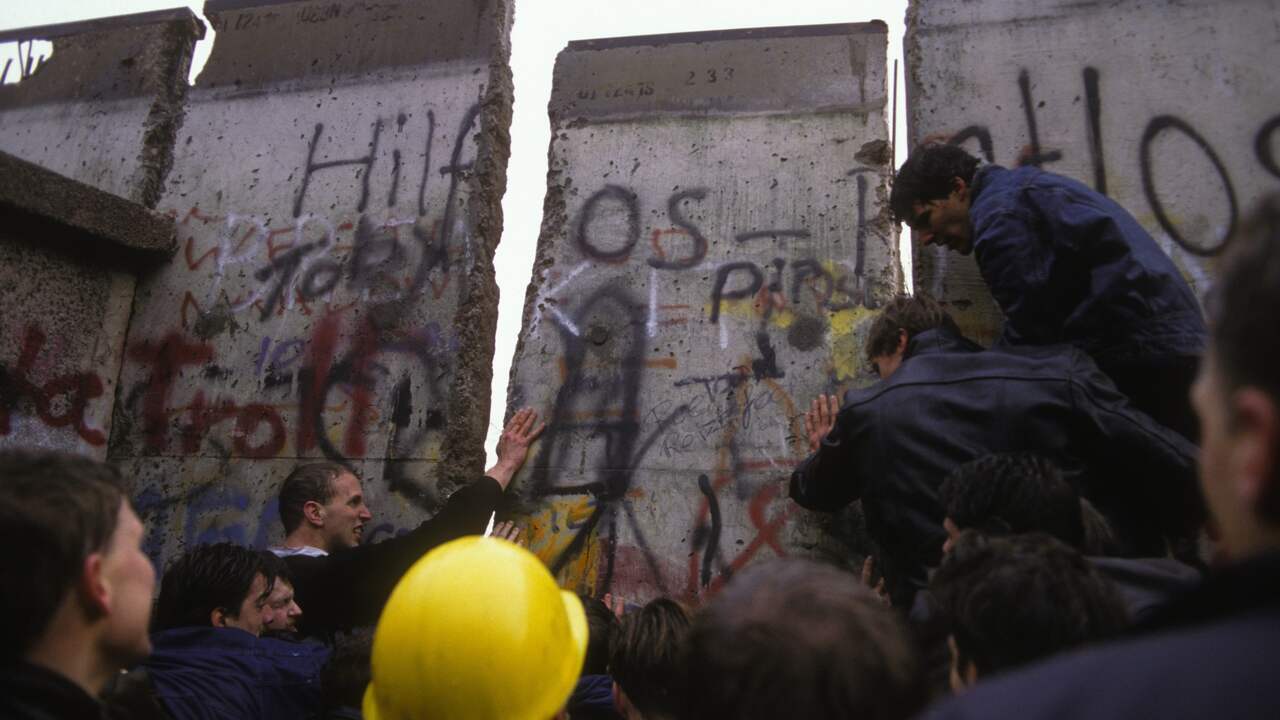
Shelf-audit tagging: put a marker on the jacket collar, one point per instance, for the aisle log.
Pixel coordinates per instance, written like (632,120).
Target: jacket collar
(938,340)
(981,179)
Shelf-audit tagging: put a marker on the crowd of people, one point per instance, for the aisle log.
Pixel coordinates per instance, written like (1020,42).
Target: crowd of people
(1082,520)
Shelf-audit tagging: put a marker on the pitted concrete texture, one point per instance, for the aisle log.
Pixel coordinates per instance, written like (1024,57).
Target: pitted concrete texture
(1170,108)
(336,189)
(105,106)
(67,256)
(98,222)
(714,242)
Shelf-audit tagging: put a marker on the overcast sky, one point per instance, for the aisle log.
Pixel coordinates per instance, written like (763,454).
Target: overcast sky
(542,28)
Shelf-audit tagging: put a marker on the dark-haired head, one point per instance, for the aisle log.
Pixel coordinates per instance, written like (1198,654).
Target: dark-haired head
(1009,601)
(644,657)
(794,638)
(223,585)
(1011,494)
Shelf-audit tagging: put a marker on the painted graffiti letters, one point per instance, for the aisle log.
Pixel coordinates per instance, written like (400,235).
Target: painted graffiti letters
(62,401)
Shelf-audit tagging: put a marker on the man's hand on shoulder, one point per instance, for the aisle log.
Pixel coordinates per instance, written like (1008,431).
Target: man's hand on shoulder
(513,445)
(820,418)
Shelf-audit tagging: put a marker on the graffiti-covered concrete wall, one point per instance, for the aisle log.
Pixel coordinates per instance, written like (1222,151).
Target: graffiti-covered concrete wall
(714,238)
(334,177)
(1168,107)
(336,187)
(100,110)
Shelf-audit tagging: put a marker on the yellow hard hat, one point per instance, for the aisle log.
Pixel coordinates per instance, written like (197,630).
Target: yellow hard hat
(476,629)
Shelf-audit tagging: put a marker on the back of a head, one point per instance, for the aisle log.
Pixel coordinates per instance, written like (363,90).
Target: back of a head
(309,482)
(928,174)
(1011,494)
(56,509)
(477,629)
(912,313)
(794,638)
(1010,601)
(1242,310)
(204,579)
(644,657)
(602,624)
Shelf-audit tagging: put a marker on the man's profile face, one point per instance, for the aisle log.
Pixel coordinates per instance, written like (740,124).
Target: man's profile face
(945,221)
(1217,457)
(131,578)
(282,611)
(345,514)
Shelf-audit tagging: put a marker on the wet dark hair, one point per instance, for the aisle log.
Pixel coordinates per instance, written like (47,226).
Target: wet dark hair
(56,509)
(795,638)
(913,313)
(313,481)
(1013,600)
(1242,310)
(644,656)
(1011,494)
(929,174)
(601,626)
(207,578)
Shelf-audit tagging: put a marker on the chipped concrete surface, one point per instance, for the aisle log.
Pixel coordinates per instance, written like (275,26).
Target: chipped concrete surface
(715,238)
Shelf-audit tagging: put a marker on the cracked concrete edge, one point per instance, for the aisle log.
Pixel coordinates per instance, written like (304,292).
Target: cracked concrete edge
(168,109)
(476,321)
(31,191)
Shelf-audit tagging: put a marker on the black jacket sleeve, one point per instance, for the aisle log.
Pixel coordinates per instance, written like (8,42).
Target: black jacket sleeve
(348,588)
(1142,468)
(829,479)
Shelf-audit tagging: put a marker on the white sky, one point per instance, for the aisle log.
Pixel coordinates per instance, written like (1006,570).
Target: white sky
(542,28)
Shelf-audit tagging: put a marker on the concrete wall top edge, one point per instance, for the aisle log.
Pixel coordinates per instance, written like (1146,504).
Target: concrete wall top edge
(114,22)
(728,75)
(874,26)
(57,200)
(931,16)
(266,41)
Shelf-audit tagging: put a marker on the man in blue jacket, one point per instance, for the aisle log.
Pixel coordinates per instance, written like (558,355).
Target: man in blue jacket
(1215,652)
(208,657)
(1066,265)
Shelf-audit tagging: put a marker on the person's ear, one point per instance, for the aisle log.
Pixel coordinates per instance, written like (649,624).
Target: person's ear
(313,512)
(902,343)
(95,587)
(218,617)
(959,188)
(970,674)
(1256,435)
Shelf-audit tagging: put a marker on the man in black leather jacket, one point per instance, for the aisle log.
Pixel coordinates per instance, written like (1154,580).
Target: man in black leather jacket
(944,401)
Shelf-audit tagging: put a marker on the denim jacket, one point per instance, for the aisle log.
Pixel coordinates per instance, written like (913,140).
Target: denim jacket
(208,673)
(1068,265)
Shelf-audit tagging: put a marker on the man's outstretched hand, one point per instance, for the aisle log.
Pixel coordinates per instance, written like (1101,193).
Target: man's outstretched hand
(820,418)
(513,445)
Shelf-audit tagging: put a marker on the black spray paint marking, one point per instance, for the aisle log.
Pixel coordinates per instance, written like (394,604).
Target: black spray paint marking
(1158,125)
(713,538)
(677,218)
(1262,146)
(313,166)
(1093,113)
(718,293)
(1035,157)
(630,203)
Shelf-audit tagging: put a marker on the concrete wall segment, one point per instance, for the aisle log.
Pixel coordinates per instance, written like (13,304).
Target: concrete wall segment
(1168,107)
(333,294)
(708,262)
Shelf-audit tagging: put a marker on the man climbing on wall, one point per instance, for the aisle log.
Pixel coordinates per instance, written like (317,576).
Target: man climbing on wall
(341,584)
(1066,265)
(944,401)
(1214,651)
